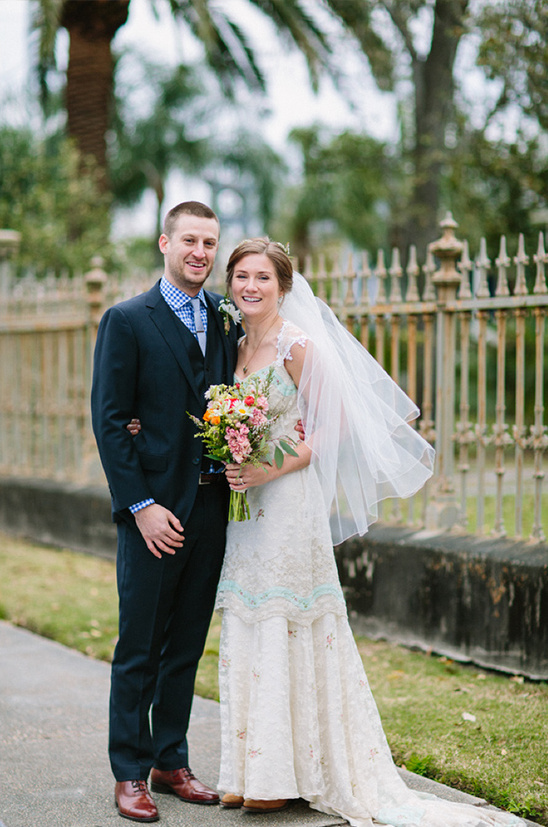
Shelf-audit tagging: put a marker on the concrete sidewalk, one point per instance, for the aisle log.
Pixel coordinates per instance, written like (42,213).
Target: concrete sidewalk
(54,770)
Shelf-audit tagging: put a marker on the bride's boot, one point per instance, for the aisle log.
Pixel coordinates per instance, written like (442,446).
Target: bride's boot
(232,802)
(273,806)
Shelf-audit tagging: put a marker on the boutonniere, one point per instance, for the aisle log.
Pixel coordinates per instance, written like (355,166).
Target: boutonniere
(229,312)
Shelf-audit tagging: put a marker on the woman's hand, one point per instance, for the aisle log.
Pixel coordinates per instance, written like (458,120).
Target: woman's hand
(242,477)
(134,427)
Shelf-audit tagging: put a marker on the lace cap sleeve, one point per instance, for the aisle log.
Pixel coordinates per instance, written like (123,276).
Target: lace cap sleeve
(288,336)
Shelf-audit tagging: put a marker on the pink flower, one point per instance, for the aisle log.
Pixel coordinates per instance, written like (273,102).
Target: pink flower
(257,418)
(262,403)
(238,443)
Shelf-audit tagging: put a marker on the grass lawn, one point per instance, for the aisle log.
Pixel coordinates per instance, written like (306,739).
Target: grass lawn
(476,730)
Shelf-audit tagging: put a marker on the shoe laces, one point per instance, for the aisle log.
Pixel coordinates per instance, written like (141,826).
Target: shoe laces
(140,786)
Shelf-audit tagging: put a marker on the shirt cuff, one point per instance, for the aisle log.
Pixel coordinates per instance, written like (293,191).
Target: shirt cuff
(142,504)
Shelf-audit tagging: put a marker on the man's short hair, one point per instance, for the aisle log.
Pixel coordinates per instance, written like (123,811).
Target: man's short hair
(187,208)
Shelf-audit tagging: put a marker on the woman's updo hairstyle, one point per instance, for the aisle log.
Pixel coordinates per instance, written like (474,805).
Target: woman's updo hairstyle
(263,246)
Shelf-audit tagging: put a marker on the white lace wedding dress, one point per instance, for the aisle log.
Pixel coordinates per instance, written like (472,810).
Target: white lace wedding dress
(297,716)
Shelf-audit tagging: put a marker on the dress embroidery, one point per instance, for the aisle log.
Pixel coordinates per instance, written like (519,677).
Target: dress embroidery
(303,602)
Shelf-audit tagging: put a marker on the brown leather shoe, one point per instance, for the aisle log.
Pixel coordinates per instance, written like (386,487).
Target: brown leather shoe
(134,801)
(183,784)
(274,806)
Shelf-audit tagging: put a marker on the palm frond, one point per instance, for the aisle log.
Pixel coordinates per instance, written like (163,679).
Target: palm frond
(228,49)
(45,19)
(356,16)
(292,20)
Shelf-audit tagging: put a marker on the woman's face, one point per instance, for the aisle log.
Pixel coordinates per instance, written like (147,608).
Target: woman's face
(255,287)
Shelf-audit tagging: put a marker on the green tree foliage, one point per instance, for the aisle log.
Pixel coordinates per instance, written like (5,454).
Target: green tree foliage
(151,139)
(92,25)
(61,214)
(243,162)
(169,119)
(413,47)
(494,187)
(514,52)
(228,49)
(349,180)
(460,149)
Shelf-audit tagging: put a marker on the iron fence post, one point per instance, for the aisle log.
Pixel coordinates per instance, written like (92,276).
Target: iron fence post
(443,510)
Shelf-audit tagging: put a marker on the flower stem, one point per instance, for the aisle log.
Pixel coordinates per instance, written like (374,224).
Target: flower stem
(238,509)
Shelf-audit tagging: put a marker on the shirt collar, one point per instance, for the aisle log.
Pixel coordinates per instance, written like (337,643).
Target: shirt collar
(178,298)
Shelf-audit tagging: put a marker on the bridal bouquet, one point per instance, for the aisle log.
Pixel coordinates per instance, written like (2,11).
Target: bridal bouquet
(235,428)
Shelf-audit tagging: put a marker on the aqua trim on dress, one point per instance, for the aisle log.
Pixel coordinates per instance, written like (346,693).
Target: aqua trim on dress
(253,601)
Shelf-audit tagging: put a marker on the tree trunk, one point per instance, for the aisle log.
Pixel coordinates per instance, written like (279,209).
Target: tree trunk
(91,25)
(434,92)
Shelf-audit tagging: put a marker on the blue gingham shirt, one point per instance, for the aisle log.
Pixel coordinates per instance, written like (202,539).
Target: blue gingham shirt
(180,303)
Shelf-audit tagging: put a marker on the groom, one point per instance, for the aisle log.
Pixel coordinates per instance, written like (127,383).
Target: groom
(155,357)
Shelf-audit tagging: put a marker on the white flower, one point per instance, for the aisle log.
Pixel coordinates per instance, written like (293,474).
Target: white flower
(229,311)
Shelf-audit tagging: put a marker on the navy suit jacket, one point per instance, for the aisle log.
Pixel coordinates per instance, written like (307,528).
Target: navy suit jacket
(147,364)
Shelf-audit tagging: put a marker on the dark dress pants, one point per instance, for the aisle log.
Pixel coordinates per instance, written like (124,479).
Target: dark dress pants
(165,611)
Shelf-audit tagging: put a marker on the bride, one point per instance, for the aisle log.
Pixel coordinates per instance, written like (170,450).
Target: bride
(297,716)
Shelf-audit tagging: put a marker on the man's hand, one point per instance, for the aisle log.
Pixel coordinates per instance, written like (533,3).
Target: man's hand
(134,427)
(161,530)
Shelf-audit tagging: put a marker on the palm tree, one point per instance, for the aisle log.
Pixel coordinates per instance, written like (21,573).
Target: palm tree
(92,25)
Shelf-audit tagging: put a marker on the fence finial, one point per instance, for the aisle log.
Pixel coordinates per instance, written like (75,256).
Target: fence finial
(95,285)
(447,249)
(10,241)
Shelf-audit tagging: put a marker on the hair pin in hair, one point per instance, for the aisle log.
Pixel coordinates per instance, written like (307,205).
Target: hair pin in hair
(285,247)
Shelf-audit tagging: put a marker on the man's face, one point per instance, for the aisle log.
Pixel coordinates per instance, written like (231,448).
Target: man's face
(189,253)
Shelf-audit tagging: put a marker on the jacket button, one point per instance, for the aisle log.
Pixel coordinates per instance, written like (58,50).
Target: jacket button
(196,460)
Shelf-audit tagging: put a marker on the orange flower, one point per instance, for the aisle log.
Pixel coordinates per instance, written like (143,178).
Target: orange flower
(214,420)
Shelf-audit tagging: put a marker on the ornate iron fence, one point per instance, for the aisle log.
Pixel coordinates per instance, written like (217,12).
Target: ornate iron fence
(468,348)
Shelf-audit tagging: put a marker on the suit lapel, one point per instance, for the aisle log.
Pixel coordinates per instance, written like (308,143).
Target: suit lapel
(218,321)
(180,341)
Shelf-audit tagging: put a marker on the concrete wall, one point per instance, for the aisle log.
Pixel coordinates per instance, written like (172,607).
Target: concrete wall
(485,601)
(59,514)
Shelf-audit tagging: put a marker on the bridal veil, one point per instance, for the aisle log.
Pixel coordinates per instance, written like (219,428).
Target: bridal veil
(356,419)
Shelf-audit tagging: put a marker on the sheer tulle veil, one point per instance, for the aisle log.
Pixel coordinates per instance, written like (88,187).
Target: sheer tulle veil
(356,419)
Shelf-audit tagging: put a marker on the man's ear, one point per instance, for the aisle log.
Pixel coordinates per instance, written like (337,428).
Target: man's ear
(163,242)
